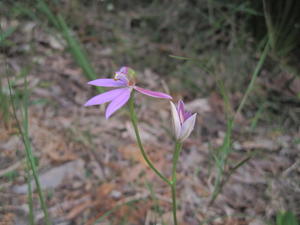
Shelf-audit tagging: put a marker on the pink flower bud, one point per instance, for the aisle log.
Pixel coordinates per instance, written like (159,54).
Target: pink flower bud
(183,121)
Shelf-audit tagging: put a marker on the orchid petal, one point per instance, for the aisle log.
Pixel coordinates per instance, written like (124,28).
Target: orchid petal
(176,120)
(118,102)
(180,106)
(187,127)
(154,94)
(187,115)
(181,112)
(108,83)
(105,97)
(124,69)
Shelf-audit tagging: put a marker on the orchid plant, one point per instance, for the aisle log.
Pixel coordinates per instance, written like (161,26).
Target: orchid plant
(183,121)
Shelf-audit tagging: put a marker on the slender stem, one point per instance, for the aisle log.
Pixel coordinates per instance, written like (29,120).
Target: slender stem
(225,149)
(176,154)
(31,157)
(253,79)
(138,138)
(174,204)
(30,200)
(25,138)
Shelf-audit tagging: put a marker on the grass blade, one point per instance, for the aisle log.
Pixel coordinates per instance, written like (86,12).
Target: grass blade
(24,132)
(223,153)
(76,50)
(30,199)
(5,34)
(253,79)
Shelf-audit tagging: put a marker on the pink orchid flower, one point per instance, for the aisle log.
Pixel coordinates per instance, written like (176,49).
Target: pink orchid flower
(183,121)
(124,80)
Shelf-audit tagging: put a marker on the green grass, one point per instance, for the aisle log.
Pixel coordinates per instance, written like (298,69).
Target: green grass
(30,198)
(286,218)
(4,106)
(4,95)
(74,45)
(5,34)
(282,22)
(222,154)
(32,170)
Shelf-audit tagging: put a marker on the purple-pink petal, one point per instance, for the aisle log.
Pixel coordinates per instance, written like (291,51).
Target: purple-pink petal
(183,114)
(187,115)
(180,109)
(117,103)
(108,83)
(105,97)
(154,94)
(124,69)
(180,106)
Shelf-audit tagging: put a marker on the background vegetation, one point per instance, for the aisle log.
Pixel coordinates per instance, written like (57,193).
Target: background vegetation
(217,50)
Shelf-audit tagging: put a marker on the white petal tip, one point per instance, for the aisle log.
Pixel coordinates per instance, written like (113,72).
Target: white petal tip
(187,127)
(176,120)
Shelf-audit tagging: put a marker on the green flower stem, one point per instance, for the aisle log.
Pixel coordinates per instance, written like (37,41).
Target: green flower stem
(138,139)
(176,154)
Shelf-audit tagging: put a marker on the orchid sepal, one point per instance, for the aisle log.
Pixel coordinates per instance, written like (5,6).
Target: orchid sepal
(183,121)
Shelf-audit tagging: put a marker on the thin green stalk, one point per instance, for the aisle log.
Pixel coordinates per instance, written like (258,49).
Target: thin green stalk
(74,44)
(25,138)
(221,158)
(4,106)
(31,157)
(46,10)
(254,76)
(138,139)
(26,133)
(174,204)
(76,49)
(30,199)
(176,154)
